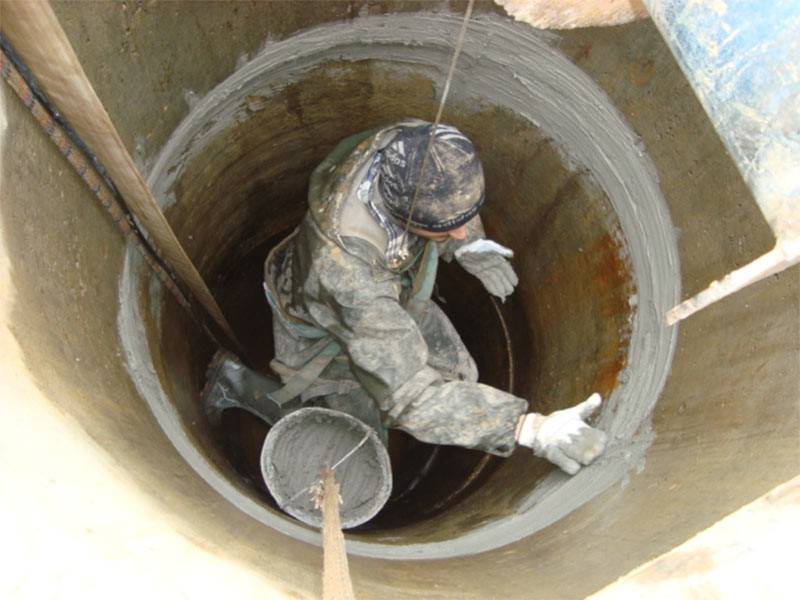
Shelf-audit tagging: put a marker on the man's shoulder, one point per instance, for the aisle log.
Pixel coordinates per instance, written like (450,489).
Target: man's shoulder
(346,156)
(325,171)
(357,223)
(350,253)
(355,273)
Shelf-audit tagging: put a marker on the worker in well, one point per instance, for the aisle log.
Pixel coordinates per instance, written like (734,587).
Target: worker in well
(355,327)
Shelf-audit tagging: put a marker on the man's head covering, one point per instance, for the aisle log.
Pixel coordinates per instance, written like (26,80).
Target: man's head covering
(452,190)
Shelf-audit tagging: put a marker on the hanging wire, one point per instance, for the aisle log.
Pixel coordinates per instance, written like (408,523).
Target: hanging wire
(318,482)
(459,45)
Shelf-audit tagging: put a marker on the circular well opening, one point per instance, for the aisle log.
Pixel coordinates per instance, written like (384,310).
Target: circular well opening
(569,190)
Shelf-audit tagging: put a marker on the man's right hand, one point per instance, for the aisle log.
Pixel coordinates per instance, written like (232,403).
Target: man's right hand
(487,260)
(563,437)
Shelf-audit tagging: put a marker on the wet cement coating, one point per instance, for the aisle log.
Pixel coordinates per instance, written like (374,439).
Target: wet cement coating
(570,190)
(301,446)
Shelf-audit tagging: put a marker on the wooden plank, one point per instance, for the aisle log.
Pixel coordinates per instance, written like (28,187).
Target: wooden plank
(37,36)
(336,582)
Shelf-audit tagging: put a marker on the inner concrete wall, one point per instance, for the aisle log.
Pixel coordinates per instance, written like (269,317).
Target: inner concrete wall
(570,191)
(725,426)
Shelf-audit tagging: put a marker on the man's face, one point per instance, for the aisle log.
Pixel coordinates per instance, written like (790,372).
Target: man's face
(459,233)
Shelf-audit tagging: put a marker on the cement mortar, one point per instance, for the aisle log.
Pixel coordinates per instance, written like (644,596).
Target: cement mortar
(537,84)
(302,445)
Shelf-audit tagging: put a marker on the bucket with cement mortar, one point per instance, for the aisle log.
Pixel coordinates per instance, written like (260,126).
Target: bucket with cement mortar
(301,445)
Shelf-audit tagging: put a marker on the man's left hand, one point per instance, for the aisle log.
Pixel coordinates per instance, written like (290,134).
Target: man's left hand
(487,260)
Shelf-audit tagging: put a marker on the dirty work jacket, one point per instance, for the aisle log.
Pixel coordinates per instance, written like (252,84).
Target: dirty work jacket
(405,358)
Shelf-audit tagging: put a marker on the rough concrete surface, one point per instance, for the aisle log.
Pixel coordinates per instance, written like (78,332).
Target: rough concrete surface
(748,554)
(725,427)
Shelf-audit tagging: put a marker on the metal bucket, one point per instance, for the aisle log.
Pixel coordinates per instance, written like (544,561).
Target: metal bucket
(304,443)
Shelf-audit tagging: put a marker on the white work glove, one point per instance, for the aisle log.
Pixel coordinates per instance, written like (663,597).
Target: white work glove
(563,437)
(486,260)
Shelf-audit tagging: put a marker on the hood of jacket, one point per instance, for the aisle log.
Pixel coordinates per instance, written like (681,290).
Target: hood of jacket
(335,180)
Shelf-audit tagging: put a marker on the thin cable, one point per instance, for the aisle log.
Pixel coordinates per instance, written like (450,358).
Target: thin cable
(353,451)
(509,350)
(318,482)
(459,45)
(487,458)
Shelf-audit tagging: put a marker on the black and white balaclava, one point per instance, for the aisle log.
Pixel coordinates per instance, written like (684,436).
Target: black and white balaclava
(399,240)
(451,191)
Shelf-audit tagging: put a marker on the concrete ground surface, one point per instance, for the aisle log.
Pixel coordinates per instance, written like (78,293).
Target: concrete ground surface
(746,555)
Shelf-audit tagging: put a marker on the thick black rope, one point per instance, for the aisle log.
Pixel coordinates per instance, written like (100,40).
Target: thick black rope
(37,93)
(89,169)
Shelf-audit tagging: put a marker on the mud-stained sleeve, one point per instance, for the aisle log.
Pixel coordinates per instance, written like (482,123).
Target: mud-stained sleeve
(475,231)
(359,306)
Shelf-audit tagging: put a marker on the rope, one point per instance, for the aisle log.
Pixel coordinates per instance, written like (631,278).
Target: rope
(459,45)
(336,582)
